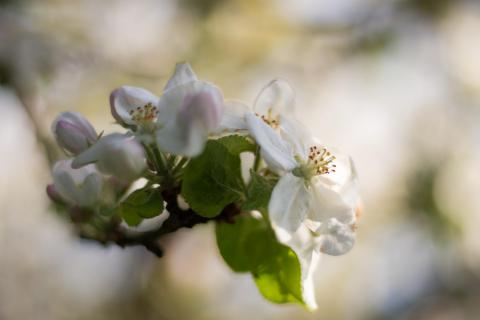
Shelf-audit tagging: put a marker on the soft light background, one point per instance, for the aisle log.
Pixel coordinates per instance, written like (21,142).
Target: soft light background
(396,84)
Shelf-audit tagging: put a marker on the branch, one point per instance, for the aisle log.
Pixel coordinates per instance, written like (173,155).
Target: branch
(177,219)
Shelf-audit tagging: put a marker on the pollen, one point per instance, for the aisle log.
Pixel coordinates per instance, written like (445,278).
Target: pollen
(145,114)
(270,119)
(321,161)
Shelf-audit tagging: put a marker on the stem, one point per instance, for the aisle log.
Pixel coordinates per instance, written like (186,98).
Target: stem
(177,219)
(258,159)
(160,160)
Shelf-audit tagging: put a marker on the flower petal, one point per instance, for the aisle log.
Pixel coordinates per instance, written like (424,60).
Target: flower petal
(115,154)
(234,117)
(90,190)
(297,135)
(189,113)
(276,152)
(288,206)
(305,246)
(125,99)
(183,74)
(308,263)
(182,141)
(327,203)
(69,182)
(337,238)
(277,96)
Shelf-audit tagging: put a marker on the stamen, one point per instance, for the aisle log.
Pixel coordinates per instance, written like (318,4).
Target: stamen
(269,119)
(142,115)
(321,161)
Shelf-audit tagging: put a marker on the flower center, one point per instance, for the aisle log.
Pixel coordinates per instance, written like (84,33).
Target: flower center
(270,119)
(321,161)
(144,115)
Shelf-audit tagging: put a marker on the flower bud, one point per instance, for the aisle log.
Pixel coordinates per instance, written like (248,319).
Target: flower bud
(73,132)
(53,194)
(81,187)
(116,154)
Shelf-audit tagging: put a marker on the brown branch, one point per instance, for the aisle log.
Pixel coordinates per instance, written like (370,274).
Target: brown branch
(177,219)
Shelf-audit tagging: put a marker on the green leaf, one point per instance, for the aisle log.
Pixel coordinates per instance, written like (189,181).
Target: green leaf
(233,241)
(258,193)
(142,204)
(249,245)
(278,273)
(237,144)
(213,180)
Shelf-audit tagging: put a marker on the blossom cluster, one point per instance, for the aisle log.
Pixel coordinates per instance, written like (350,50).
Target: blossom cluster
(311,188)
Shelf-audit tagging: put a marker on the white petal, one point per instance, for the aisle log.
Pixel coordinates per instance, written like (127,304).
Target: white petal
(308,262)
(234,117)
(344,174)
(183,74)
(304,245)
(172,101)
(277,153)
(182,141)
(69,183)
(89,192)
(203,106)
(288,206)
(115,154)
(297,135)
(65,186)
(327,203)
(128,98)
(277,96)
(337,238)
(189,113)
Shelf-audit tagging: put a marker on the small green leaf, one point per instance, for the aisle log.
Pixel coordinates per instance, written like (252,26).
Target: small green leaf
(237,144)
(142,204)
(258,193)
(213,180)
(249,245)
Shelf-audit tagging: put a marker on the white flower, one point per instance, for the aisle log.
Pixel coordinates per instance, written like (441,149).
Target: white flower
(73,132)
(180,120)
(115,154)
(312,207)
(81,187)
(274,100)
(135,108)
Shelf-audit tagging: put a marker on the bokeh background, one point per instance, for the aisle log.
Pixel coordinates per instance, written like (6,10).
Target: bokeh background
(396,84)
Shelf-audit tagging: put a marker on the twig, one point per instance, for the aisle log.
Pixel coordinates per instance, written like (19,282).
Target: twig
(177,219)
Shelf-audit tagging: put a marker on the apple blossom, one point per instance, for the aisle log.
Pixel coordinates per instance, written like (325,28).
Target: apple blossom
(312,207)
(115,154)
(307,193)
(276,99)
(315,183)
(73,132)
(81,187)
(180,120)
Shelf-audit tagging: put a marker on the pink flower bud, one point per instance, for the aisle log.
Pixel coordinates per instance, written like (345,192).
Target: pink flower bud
(53,194)
(73,132)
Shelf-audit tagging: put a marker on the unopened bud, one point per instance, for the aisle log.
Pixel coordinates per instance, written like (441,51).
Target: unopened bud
(115,154)
(81,187)
(73,132)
